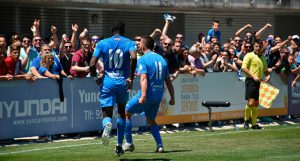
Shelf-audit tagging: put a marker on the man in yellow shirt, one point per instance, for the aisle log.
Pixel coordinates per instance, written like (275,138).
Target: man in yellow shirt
(254,65)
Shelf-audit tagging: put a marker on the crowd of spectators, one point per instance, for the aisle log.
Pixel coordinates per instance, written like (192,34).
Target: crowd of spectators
(30,57)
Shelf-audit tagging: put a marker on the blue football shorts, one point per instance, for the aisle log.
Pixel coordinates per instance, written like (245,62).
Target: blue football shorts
(112,93)
(150,107)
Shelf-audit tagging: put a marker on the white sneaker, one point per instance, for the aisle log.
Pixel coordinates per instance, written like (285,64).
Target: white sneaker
(106,134)
(160,149)
(128,147)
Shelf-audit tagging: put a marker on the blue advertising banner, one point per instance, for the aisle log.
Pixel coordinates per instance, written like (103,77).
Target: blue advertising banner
(34,108)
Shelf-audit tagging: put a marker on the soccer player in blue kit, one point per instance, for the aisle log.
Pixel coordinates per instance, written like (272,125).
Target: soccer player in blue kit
(119,58)
(153,71)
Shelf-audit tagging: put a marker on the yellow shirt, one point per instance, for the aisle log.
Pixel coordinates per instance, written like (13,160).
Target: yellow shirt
(255,64)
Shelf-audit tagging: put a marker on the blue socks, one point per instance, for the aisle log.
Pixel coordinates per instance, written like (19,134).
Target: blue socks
(128,132)
(105,121)
(156,135)
(120,130)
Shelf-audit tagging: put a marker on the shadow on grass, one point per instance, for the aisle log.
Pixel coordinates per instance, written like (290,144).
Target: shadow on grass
(156,159)
(168,151)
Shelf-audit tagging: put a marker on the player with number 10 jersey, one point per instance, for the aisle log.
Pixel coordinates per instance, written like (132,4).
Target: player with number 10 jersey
(115,53)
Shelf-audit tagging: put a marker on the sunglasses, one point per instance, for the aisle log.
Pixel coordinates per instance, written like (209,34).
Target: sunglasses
(285,52)
(138,39)
(26,41)
(68,46)
(36,40)
(247,46)
(167,44)
(95,40)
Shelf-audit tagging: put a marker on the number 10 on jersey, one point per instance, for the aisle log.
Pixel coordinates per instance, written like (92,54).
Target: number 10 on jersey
(115,58)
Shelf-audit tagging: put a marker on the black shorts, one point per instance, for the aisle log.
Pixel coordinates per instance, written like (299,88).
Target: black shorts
(252,89)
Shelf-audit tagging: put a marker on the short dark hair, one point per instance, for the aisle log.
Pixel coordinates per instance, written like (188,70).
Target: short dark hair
(258,41)
(216,21)
(118,27)
(2,35)
(148,42)
(26,35)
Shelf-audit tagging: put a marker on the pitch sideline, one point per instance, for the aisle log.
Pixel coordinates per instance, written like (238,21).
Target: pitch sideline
(78,145)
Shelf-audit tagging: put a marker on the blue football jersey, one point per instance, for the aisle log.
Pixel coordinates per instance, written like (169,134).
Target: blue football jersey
(156,69)
(115,53)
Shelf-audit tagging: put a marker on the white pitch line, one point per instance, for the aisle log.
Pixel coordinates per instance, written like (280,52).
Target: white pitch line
(41,149)
(77,145)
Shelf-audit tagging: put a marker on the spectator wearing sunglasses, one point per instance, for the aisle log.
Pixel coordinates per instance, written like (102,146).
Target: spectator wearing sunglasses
(169,55)
(247,48)
(66,57)
(31,53)
(94,41)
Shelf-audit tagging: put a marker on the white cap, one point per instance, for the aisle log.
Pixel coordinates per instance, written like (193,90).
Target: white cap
(295,37)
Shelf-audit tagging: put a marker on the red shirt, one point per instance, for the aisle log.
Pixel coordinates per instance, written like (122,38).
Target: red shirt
(13,67)
(81,61)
